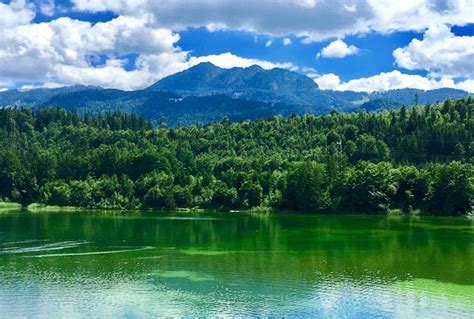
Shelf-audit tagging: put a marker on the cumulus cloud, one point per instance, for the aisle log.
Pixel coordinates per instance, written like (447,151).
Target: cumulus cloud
(389,81)
(121,6)
(57,51)
(269,43)
(440,52)
(287,41)
(418,15)
(338,49)
(314,19)
(229,60)
(328,81)
(18,12)
(67,51)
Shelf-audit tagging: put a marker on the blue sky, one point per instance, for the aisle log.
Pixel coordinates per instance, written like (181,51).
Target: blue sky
(362,45)
(375,54)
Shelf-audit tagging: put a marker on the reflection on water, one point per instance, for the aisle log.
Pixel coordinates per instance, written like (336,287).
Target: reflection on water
(105,264)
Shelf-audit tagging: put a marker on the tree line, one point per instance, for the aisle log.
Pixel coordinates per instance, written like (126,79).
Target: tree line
(411,159)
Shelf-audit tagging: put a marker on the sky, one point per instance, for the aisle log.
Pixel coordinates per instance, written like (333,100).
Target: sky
(360,45)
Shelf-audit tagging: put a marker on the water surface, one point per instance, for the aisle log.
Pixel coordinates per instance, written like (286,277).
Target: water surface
(137,265)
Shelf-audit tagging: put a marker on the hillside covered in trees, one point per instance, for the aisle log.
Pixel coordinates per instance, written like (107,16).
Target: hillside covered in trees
(409,159)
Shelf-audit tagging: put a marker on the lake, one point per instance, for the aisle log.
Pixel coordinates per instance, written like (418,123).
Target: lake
(137,265)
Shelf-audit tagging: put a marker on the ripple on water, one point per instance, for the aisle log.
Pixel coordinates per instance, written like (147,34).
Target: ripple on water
(42,247)
(27,241)
(105,252)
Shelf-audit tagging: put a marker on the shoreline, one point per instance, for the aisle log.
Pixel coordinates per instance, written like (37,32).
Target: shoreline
(39,208)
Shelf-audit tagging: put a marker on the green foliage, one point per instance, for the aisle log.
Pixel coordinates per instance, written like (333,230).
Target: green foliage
(158,190)
(56,193)
(370,188)
(307,188)
(419,158)
(250,194)
(451,189)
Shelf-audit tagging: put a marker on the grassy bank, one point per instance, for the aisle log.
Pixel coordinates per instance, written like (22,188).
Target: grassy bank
(9,205)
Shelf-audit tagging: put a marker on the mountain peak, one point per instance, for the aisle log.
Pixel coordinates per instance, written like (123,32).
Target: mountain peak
(204,65)
(255,67)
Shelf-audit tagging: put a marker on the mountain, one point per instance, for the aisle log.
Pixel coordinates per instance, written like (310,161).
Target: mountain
(252,83)
(206,93)
(35,97)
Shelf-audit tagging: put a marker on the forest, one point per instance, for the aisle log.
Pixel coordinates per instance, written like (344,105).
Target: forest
(410,160)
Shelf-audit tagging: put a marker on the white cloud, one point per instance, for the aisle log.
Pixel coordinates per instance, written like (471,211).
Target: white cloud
(338,49)
(269,43)
(420,14)
(467,85)
(47,7)
(3,89)
(51,85)
(287,41)
(112,5)
(389,81)
(315,20)
(440,52)
(66,51)
(18,12)
(229,60)
(328,81)
(308,70)
(109,76)
(58,51)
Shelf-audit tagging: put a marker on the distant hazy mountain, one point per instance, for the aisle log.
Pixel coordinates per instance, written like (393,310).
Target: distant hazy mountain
(396,98)
(206,93)
(34,97)
(407,96)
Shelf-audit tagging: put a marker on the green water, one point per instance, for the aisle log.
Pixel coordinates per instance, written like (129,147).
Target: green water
(139,265)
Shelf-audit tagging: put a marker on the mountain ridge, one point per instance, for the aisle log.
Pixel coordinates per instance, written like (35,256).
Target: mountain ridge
(274,85)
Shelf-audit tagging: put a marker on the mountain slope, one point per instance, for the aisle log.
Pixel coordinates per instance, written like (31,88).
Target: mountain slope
(173,108)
